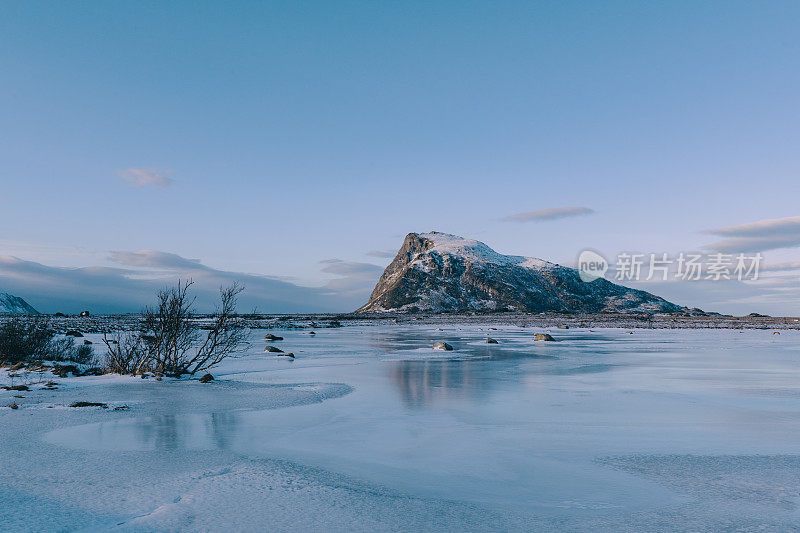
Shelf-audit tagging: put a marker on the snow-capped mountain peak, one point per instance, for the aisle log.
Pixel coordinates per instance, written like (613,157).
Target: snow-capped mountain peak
(478,251)
(437,272)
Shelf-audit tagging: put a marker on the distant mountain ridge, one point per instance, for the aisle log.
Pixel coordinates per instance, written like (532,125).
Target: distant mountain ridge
(10,304)
(438,272)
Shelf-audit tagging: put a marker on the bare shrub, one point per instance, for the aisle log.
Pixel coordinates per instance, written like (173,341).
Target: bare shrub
(60,349)
(127,354)
(226,336)
(64,349)
(173,340)
(23,340)
(168,331)
(83,355)
(170,341)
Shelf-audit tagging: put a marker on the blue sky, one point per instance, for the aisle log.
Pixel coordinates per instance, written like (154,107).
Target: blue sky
(290,140)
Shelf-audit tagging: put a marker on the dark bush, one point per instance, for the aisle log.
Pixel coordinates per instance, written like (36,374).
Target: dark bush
(83,355)
(65,349)
(24,339)
(59,349)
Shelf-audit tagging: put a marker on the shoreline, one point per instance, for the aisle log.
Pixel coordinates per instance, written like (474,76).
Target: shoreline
(129,322)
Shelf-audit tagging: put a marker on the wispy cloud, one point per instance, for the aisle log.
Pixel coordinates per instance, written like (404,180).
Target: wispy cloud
(129,287)
(387,254)
(770,296)
(762,228)
(142,177)
(781,266)
(553,213)
(349,268)
(769,234)
(354,278)
(156,259)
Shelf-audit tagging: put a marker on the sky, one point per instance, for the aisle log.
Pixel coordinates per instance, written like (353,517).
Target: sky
(293,145)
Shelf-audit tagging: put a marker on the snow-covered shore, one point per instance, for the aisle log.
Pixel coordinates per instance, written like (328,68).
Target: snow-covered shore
(370,429)
(49,487)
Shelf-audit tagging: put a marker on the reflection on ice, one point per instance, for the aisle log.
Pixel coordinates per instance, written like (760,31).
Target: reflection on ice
(597,422)
(172,432)
(421,383)
(168,432)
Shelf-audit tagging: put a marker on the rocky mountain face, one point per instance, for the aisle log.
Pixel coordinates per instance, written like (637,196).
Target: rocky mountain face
(10,304)
(437,272)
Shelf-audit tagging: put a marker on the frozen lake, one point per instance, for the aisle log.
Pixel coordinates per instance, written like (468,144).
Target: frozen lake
(605,429)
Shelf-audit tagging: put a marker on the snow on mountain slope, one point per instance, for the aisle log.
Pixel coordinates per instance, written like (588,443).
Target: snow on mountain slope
(439,272)
(15,305)
(478,251)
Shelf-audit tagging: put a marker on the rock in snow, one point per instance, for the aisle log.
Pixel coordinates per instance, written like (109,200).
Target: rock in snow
(15,305)
(437,272)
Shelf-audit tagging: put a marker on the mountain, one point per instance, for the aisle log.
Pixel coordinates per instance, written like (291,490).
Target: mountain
(15,305)
(437,272)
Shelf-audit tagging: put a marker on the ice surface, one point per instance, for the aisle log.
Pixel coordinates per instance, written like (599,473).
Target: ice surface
(371,429)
